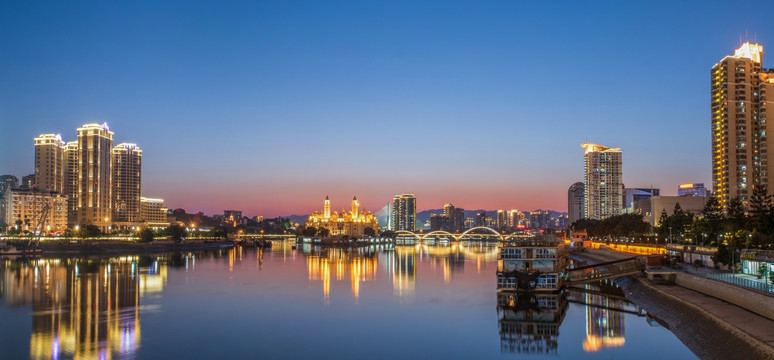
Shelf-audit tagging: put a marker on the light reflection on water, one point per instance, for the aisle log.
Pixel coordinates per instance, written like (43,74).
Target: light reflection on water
(92,308)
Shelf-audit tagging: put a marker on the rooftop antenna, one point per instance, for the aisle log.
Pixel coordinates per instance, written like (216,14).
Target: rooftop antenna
(746,38)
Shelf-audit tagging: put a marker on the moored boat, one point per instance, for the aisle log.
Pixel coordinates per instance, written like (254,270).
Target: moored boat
(10,250)
(531,265)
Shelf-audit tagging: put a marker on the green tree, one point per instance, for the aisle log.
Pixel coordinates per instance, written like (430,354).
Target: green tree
(176,233)
(146,235)
(90,231)
(369,232)
(310,231)
(663,224)
(736,217)
(712,214)
(220,232)
(323,232)
(760,204)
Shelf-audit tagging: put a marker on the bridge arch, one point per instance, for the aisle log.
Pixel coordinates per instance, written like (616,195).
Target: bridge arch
(439,232)
(407,233)
(517,235)
(468,231)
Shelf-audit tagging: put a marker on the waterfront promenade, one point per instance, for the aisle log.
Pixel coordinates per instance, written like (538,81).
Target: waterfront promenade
(698,319)
(711,328)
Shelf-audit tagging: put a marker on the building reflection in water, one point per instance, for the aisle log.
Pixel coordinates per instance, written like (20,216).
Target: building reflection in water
(403,266)
(82,309)
(529,322)
(605,310)
(359,263)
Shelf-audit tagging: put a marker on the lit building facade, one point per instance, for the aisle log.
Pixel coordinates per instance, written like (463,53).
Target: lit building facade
(232,216)
(603,181)
(456,217)
(739,106)
(28,181)
(403,215)
(540,219)
(153,213)
(502,219)
(7,181)
(27,207)
(635,194)
(349,223)
(515,218)
(439,222)
(575,198)
(71,181)
(127,175)
(694,189)
(49,162)
(95,190)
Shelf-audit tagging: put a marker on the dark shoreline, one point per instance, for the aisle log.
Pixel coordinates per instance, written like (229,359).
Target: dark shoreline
(705,336)
(114,248)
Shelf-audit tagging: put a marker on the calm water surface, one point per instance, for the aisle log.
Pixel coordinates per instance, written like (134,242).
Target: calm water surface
(381,302)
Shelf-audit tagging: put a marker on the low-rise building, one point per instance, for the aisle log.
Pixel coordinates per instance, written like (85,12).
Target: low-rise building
(24,208)
(651,208)
(153,214)
(695,189)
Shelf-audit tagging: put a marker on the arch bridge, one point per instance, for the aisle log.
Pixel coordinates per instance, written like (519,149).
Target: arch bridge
(472,234)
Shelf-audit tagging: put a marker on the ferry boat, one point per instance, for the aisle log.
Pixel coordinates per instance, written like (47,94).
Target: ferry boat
(10,250)
(531,265)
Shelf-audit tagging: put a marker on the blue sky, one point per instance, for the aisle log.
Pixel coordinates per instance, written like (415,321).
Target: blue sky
(270,106)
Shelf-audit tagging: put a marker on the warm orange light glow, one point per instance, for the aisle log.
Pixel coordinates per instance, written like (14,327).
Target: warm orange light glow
(750,51)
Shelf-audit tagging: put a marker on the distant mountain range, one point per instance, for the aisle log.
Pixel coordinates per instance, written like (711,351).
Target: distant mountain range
(423,216)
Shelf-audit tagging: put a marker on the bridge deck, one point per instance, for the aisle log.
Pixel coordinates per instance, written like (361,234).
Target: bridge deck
(602,271)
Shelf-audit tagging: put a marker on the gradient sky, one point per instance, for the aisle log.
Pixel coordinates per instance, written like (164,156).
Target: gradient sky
(268,107)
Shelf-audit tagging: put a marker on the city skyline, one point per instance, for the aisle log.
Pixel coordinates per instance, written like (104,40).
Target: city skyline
(465,106)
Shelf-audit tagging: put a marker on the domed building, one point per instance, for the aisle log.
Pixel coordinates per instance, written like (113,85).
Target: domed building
(350,223)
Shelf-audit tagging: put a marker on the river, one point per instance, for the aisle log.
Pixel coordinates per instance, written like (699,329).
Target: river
(377,302)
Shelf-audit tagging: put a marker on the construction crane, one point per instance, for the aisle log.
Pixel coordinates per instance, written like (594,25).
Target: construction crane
(40,225)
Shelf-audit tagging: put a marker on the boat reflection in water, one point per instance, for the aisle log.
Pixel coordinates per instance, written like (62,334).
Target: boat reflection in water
(529,322)
(82,309)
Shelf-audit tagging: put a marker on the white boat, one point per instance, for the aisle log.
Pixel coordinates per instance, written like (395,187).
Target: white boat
(10,250)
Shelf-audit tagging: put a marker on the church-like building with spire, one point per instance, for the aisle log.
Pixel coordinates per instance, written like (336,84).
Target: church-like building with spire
(350,223)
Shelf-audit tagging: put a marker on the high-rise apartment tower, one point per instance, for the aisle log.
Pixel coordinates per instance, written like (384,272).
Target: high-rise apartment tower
(49,162)
(71,181)
(603,181)
(127,172)
(739,109)
(575,198)
(95,143)
(404,213)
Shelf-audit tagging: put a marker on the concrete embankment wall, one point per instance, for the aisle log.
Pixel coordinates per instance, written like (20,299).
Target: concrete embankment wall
(753,301)
(603,255)
(756,302)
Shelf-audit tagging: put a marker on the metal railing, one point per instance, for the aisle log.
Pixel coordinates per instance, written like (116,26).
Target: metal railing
(748,283)
(735,279)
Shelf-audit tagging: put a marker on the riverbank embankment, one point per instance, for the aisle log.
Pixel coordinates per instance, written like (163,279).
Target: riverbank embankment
(698,318)
(92,247)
